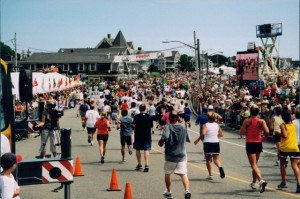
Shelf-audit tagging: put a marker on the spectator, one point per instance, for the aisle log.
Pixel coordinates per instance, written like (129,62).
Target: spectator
(8,185)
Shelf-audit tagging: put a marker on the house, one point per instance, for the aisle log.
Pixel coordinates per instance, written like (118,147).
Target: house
(107,61)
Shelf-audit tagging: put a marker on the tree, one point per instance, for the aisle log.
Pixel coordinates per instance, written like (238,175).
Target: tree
(6,52)
(152,68)
(185,63)
(218,59)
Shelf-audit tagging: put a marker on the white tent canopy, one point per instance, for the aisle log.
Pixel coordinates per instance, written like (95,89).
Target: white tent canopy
(45,83)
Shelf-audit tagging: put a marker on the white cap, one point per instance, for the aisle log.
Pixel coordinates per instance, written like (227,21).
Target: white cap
(210,107)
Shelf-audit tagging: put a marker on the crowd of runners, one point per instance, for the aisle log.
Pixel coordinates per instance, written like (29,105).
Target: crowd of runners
(141,107)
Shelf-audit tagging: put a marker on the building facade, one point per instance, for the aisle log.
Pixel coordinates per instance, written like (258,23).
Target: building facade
(107,61)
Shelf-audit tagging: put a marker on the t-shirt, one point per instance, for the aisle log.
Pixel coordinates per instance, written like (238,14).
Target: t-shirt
(8,186)
(143,124)
(126,126)
(201,120)
(175,137)
(92,116)
(83,109)
(132,112)
(101,125)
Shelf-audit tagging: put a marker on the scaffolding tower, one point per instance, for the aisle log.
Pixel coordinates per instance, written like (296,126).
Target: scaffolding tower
(268,34)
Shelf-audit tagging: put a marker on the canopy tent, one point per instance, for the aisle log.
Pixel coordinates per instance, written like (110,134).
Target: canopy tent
(46,82)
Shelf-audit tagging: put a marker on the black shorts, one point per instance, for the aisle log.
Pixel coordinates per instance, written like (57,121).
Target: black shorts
(291,154)
(126,140)
(90,130)
(102,137)
(276,138)
(254,147)
(211,147)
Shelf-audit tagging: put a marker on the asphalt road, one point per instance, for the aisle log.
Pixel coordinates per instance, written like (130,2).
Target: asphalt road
(150,185)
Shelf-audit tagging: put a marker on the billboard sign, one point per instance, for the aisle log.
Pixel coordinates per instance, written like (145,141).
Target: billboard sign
(247,65)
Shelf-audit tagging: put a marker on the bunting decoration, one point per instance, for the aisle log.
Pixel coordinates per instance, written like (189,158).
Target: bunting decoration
(35,83)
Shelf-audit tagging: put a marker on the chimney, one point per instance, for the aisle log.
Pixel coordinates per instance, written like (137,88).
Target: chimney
(108,36)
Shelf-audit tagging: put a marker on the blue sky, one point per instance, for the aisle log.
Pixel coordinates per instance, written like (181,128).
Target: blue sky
(221,25)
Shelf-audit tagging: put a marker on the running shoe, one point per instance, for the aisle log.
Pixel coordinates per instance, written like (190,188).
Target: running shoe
(298,188)
(222,173)
(89,140)
(253,185)
(138,167)
(146,169)
(263,185)
(130,152)
(168,195)
(123,160)
(187,195)
(282,186)
(277,163)
(209,177)
(92,143)
(102,159)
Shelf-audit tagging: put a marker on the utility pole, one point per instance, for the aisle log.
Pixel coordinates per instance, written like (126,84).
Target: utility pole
(16,54)
(197,62)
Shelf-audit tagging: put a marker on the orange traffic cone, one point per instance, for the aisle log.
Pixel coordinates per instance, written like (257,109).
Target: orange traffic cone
(128,193)
(78,170)
(114,181)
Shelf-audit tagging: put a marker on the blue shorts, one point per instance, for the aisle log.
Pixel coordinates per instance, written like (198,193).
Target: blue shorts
(144,146)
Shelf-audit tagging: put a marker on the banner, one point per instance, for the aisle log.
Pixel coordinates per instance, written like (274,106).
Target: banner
(145,56)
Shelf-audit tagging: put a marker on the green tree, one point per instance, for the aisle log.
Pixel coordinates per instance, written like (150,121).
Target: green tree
(6,52)
(152,68)
(218,59)
(185,63)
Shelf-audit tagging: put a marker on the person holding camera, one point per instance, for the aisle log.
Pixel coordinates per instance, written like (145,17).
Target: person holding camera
(50,128)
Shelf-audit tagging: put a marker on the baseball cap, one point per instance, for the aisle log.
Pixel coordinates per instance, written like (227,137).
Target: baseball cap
(210,107)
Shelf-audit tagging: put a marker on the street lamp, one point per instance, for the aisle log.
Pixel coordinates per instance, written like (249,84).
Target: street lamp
(218,52)
(197,57)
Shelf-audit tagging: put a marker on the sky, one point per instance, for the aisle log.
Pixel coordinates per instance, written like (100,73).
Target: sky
(220,25)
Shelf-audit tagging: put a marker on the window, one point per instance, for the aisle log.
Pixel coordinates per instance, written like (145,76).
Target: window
(81,67)
(32,67)
(92,67)
(65,67)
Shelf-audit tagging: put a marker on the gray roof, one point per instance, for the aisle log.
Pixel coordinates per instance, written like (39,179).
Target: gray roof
(61,58)
(120,40)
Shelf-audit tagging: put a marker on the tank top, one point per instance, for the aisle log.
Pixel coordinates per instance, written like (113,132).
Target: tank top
(289,144)
(212,130)
(102,126)
(277,122)
(254,131)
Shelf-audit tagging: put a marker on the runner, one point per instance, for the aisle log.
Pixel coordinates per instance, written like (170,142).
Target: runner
(125,126)
(83,108)
(91,118)
(210,135)
(103,127)
(252,128)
